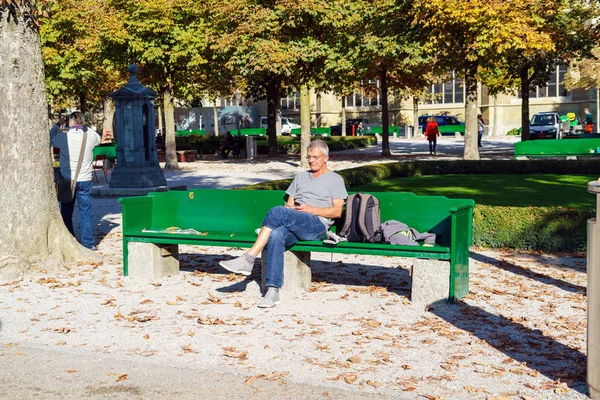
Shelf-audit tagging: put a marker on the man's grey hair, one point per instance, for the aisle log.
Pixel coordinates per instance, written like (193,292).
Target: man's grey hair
(319,145)
(78,117)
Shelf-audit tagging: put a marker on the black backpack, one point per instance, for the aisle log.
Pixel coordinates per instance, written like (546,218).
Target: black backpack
(362,221)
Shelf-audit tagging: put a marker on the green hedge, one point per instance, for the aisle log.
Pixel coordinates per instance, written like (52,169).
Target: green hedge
(541,228)
(291,145)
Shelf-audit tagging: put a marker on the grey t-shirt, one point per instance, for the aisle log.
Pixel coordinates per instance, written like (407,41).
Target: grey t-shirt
(318,192)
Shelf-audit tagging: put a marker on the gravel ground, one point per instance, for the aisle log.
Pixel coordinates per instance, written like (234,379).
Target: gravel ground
(519,334)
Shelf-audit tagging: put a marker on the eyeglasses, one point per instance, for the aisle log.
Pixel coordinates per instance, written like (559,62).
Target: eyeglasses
(313,157)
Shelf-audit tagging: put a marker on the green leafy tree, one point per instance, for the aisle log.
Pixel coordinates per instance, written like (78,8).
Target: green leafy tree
(270,48)
(82,49)
(168,39)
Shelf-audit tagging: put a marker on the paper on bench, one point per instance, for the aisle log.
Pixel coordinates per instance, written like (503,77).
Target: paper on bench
(189,231)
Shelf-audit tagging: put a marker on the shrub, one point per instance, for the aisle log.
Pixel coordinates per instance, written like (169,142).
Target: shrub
(514,132)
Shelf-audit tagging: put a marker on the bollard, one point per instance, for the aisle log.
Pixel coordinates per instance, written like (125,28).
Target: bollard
(593,297)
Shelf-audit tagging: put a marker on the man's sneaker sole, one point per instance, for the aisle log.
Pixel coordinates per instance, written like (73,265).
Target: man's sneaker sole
(268,305)
(245,273)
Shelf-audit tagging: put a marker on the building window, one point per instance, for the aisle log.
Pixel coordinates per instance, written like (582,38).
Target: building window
(362,99)
(291,102)
(235,101)
(555,86)
(449,92)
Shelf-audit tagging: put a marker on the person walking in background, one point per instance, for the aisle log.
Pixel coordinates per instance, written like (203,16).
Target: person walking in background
(70,145)
(480,129)
(360,130)
(588,118)
(432,131)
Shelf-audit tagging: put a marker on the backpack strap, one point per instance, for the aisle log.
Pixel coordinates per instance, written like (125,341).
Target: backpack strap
(348,220)
(362,211)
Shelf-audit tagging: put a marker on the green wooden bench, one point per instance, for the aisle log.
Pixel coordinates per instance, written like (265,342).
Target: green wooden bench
(572,148)
(108,150)
(190,132)
(250,132)
(393,130)
(229,218)
(313,131)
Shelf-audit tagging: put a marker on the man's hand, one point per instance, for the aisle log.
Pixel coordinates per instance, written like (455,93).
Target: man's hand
(305,208)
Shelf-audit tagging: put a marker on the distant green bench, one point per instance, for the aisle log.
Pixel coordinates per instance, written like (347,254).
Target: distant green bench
(313,131)
(572,148)
(190,132)
(393,130)
(108,150)
(250,132)
(229,218)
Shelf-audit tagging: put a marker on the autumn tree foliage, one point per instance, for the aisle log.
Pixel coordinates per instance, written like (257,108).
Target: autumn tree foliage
(473,36)
(585,74)
(570,33)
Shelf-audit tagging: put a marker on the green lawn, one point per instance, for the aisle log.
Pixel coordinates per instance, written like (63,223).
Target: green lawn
(498,190)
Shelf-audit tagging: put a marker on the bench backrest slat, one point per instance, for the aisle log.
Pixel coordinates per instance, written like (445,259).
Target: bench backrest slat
(244,210)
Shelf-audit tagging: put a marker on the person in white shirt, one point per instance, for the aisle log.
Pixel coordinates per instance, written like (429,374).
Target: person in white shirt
(69,144)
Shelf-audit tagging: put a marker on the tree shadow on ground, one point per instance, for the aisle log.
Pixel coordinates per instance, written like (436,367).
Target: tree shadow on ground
(541,353)
(394,280)
(518,270)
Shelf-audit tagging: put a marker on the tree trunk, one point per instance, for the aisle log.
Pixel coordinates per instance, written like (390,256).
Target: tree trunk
(385,116)
(525,103)
(273,106)
(305,124)
(471,151)
(343,116)
(109,114)
(161,125)
(82,102)
(597,110)
(495,131)
(32,229)
(416,117)
(216,118)
(170,145)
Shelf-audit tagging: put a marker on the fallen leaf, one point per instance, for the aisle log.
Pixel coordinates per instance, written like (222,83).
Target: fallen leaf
(374,384)
(121,377)
(72,371)
(354,359)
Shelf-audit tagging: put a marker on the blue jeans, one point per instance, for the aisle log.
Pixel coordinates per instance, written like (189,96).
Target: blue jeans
(83,195)
(288,226)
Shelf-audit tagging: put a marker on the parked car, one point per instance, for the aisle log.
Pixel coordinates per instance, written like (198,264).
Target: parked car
(447,124)
(336,130)
(286,124)
(547,125)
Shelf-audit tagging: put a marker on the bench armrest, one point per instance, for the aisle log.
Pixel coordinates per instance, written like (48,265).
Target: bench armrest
(137,212)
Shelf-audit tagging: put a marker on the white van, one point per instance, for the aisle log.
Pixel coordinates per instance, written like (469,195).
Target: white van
(286,124)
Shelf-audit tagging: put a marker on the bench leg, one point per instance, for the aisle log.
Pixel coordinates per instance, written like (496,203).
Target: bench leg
(152,261)
(296,271)
(430,281)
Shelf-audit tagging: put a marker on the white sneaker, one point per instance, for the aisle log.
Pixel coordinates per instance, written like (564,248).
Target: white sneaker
(239,265)
(271,298)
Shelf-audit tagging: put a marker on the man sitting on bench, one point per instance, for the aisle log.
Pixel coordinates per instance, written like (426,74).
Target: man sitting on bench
(315,198)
